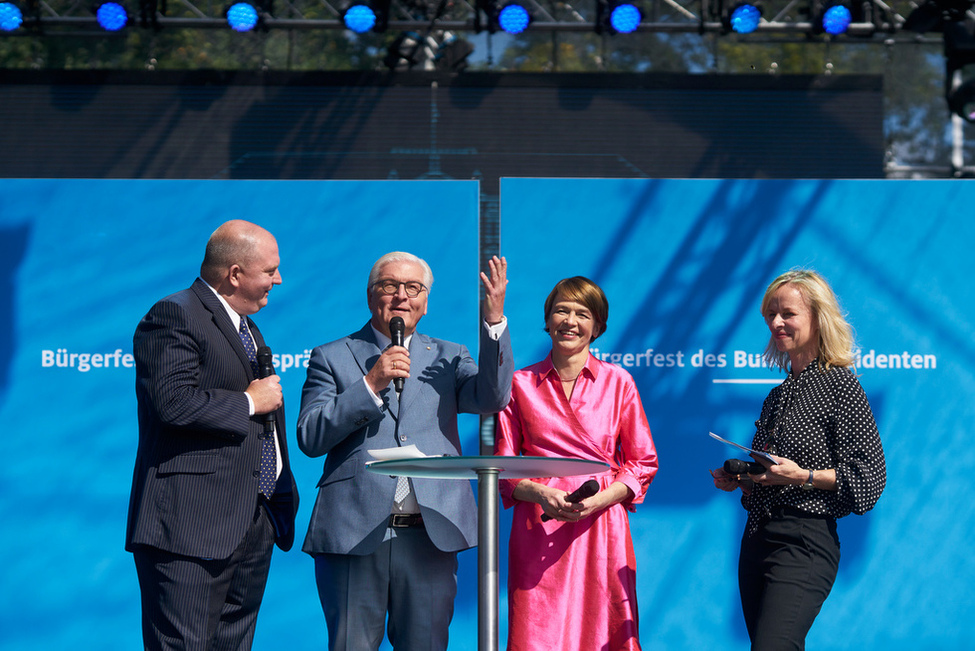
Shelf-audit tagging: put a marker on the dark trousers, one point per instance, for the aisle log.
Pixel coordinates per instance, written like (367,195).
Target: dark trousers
(406,578)
(193,604)
(785,572)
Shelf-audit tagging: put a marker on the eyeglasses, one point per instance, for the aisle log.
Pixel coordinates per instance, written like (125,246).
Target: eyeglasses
(390,287)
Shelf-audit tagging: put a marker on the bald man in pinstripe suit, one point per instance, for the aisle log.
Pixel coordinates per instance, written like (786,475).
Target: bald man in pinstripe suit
(202,524)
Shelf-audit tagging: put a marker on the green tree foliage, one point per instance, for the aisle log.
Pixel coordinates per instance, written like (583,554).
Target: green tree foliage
(195,49)
(591,52)
(915,113)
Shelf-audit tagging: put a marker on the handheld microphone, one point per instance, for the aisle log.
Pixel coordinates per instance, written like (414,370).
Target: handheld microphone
(265,368)
(739,467)
(396,329)
(588,489)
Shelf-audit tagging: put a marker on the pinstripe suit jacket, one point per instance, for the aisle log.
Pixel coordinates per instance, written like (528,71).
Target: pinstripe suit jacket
(194,489)
(339,418)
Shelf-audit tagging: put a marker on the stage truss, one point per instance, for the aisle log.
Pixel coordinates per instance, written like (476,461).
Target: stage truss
(874,20)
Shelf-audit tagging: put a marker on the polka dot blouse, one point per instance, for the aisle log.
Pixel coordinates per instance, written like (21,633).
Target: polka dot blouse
(820,420)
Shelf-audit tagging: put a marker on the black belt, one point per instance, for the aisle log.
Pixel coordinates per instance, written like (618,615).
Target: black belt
(401,520)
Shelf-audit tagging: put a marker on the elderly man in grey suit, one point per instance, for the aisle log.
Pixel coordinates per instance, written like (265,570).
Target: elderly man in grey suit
(212,490)
(384,545)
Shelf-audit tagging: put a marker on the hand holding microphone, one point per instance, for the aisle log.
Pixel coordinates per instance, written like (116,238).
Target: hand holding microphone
(739,467)
(588,489)
(393,363)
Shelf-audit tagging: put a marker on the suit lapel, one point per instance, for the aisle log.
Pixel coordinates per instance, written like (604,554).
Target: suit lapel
(222,320)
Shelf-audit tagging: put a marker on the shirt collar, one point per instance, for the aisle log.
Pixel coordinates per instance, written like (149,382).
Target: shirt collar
(590,369)
(383,341)
(234,317)
(813,364)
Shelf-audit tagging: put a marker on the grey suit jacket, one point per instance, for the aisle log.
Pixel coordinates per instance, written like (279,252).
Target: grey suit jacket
(194,488)
(339,419)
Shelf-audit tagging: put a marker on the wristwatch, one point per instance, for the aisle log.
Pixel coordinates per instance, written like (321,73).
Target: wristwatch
(808,486)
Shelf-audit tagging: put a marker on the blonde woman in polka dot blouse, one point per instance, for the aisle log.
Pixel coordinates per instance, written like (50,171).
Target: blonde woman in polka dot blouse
(819,427)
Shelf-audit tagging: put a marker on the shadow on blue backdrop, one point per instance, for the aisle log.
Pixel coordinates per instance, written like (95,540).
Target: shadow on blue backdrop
(13,247)
(684,265)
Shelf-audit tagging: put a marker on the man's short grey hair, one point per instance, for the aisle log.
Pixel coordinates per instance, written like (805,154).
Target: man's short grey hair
(400,256)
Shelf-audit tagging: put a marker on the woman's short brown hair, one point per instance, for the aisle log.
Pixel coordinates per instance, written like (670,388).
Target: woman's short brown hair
(580,289)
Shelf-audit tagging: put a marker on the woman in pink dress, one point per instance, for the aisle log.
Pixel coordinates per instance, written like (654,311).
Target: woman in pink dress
(572,578)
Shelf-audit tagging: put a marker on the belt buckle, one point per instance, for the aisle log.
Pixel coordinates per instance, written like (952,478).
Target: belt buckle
(405,520)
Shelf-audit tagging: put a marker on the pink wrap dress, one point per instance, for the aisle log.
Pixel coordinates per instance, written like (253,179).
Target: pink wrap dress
(572,585)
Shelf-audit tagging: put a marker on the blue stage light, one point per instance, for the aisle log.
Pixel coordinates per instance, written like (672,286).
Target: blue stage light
(514,18)
(625,18)
(111,16)
(242,17)
(10,17)
(359,18)
(837,19)
(745,18)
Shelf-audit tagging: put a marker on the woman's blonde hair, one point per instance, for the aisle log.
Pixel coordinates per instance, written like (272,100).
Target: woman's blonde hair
(836,340)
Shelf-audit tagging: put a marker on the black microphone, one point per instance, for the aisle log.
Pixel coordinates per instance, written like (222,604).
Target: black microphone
(265,368)
(739,467)
(588,489)
(396,329)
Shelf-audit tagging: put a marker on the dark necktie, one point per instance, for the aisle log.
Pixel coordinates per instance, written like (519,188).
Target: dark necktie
(269,457)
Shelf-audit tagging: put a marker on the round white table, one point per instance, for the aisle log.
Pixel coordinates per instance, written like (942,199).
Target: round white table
(487,470)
